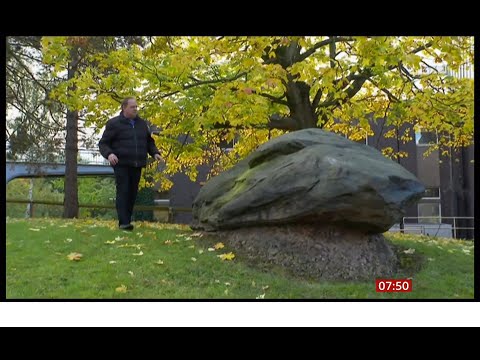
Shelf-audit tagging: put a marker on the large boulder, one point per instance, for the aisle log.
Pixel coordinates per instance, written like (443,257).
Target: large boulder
(312,177)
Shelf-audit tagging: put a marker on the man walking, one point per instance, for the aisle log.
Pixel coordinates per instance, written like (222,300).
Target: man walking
(125,143)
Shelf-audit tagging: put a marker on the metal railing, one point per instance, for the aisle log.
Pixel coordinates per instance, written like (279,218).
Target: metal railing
(425,227)
(161,204)
(84,157)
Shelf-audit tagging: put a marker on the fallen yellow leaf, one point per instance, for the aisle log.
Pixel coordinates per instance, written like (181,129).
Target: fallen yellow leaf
(138,254)
(229,256)
(159,262)
(219,246)
(121,289)
(74,256)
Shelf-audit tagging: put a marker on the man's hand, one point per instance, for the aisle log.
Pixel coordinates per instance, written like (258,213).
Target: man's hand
(112,158)
(158,157)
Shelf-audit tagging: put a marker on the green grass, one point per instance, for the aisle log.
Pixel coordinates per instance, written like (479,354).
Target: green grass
(38,266)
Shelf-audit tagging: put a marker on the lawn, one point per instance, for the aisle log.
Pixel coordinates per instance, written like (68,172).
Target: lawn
(92,259)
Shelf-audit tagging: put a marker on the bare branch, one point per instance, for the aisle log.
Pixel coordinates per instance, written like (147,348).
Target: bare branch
(205,82)
(320,44)
(390,96)
(29,73)
(282,123)
(275,99)
(316,99)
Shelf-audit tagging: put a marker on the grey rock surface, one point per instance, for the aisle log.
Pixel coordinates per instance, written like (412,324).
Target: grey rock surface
(309,176)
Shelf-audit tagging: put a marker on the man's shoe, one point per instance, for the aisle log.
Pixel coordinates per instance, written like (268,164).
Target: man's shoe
(126,227)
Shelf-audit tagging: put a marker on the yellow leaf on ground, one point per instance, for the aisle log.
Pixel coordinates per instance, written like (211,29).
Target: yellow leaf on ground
(159,262)
(409,251)
(34,229)
(74,256)
(110,242)
(193,259)
(138,254)
(219,246)
(229,256)
(121,289)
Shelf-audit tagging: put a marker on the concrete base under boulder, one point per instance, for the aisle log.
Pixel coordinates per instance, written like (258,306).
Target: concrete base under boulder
(315,252)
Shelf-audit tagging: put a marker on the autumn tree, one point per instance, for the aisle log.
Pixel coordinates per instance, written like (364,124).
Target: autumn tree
(70,58)
(205,91)
(34,122)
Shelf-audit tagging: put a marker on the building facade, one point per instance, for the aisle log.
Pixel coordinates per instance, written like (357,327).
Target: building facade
(447,208)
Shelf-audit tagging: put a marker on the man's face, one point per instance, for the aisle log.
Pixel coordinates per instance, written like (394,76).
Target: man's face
(130,111)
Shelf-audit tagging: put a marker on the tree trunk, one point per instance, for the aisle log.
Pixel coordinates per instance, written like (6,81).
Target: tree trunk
(298,98)
(459,192)
(28,212)
(70,209)
(302,113)
(70,205)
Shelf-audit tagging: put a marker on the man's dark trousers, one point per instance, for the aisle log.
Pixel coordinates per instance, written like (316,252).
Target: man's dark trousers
(126,179)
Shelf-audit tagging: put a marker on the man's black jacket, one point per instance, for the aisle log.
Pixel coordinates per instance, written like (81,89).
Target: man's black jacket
(129,144)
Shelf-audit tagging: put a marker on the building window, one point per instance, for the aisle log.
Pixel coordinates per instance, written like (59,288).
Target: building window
(429,213)
(432,193)
(426,138)
(228,146)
